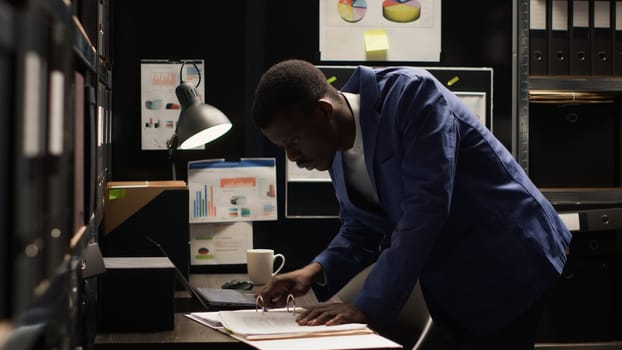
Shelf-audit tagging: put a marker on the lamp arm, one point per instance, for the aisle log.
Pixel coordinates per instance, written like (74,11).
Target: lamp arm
(181,69)
(172,144)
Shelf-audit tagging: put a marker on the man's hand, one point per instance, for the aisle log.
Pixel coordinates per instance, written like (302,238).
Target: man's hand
(331,314)
(297,283)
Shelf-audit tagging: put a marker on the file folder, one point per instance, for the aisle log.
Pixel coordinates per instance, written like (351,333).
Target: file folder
(6,140)
(58,217)
(79,209)
(579,59)
(558,38)
(602,40)
(617,51)
(28,202)
(538,50)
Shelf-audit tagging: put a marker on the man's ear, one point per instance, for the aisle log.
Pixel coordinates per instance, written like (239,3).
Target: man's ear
(326,106)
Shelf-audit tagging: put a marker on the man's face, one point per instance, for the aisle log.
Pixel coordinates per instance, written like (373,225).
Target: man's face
(309,141)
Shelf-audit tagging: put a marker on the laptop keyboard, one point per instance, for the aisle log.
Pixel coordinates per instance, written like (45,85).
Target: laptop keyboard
(222,296)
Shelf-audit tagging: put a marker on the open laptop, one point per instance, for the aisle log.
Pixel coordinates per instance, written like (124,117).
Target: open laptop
(227,298)
(214,298)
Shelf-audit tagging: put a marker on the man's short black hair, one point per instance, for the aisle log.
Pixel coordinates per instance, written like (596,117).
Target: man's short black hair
(287,87)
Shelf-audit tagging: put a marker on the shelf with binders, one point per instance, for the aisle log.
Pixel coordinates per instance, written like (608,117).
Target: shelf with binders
(30,159)
(56,317)
(83,47)
(93,87)
(575,38)
(89,57)
(89,49)
(45,64)
(569,105)
(40,165)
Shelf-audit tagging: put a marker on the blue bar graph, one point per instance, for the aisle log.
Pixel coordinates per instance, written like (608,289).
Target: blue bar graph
(201,205)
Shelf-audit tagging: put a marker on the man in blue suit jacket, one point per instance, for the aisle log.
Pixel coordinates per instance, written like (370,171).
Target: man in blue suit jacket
(425,191)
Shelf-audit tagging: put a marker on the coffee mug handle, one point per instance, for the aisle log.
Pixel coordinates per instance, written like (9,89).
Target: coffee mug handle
(282,263)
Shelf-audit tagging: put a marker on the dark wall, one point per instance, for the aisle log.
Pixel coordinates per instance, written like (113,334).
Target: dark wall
(175,30)
(237,47)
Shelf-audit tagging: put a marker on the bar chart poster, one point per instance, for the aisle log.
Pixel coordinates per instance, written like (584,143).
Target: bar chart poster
(226,191)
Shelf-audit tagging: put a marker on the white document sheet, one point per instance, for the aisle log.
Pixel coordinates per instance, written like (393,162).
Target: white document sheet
(325,342)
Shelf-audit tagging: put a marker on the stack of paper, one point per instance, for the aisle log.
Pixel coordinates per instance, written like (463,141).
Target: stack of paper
(276,330)
(280,324)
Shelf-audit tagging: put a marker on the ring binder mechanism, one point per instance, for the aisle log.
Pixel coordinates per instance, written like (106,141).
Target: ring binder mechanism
(289,304)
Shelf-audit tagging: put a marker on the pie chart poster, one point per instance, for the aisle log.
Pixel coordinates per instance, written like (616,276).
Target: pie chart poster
(403,30)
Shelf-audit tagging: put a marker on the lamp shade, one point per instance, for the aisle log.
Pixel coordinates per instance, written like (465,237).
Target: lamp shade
(198,123)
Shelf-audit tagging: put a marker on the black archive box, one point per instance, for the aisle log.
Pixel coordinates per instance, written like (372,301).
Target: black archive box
(575,144)
(136,294)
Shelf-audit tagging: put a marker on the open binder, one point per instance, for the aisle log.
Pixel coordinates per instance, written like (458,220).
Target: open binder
(277,329)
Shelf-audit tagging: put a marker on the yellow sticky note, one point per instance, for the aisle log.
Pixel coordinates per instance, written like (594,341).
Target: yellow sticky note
(376,40)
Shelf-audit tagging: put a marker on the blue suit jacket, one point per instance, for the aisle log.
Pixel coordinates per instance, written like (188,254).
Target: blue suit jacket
(460,214)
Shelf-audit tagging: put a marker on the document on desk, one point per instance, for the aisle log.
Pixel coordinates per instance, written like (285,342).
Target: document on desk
(281,324)
(278,330)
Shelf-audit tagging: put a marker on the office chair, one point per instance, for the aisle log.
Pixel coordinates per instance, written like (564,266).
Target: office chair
(415,326)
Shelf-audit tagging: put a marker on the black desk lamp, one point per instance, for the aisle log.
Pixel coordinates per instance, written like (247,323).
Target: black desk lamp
(198,123)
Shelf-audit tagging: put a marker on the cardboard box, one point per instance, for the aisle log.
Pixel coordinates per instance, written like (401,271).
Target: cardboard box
(147,219)
(126,198)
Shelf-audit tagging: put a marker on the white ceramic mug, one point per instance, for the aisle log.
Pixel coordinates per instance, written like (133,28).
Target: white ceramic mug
(260,264)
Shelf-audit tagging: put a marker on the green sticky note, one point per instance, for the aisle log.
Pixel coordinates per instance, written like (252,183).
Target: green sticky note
(116,194)
(453,80)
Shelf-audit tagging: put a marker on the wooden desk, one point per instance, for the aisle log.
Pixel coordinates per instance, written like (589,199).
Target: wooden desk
(187,335)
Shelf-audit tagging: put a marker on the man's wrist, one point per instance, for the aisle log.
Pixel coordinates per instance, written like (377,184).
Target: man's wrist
(316,272)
